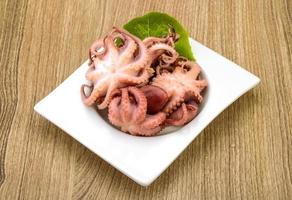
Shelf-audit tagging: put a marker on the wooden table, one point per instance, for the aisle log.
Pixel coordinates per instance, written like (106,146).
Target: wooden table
(246,153)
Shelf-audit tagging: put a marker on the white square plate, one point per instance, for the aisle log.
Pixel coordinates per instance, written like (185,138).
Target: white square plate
(143,159)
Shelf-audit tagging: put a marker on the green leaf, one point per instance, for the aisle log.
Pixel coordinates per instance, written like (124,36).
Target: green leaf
(118,42)
(157,24)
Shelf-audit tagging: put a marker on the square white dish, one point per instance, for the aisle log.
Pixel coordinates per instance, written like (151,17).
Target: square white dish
(143,159)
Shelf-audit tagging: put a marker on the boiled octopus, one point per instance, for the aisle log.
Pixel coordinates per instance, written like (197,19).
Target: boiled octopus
(128,110)
(161,50)
(146,85)
(181,85)
(113,66)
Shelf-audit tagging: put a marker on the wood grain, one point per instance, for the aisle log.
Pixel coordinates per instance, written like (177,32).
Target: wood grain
(245,153)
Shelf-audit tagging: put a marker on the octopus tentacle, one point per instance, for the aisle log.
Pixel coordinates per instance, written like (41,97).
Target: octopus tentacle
(171,38)
(89,73)
(163,69)
(134,67)
(110,44)
(140,60)
(175,102)
(114,113)
(126,106)
(185,113)
(144,76)
(149,41)
(108,96)
(131,69)
(93,75)
(96,49)
(178,117)
(127,50)
(127,56)
(159,48)
(140,111)
(142,48)
(153,121)
(135,70)
(148,132)
(201,84)
(165,64)
(196,95)
(194,71)
(89,100)
(168,59)
(193,109)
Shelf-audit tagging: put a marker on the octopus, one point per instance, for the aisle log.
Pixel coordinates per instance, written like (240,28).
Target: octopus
(128,110)
(182,84)
(144,85)
(115,66)
(184,114)
(162,50)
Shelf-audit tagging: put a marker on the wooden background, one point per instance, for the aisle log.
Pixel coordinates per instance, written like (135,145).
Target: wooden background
(246,153)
